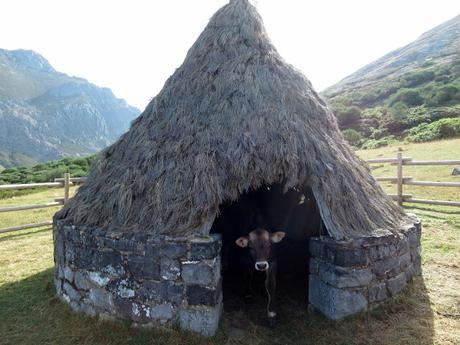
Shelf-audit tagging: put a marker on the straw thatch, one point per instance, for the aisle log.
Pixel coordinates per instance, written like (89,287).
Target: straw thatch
(233,117)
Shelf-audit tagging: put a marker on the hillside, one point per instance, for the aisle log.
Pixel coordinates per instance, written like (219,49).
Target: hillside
(48,115)
(412,93)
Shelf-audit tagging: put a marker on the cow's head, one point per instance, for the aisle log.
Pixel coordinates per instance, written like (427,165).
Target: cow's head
(260,243)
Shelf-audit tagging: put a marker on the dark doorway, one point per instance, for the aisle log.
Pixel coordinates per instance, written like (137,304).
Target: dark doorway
(270,207)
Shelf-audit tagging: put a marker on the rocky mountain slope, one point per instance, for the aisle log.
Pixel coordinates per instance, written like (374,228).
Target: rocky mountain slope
(45,114)
(405,93)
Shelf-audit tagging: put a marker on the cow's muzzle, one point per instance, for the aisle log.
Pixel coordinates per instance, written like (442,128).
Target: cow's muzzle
(262,265)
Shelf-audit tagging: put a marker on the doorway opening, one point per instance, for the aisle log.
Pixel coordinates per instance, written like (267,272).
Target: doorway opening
(294,212)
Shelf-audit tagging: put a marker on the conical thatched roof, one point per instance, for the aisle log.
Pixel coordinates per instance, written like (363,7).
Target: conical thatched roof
(233,117)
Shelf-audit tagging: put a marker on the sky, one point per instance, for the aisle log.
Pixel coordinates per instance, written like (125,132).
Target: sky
(133,46)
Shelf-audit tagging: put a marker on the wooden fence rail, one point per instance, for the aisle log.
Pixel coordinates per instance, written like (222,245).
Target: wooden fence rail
(400,180)
(64,182)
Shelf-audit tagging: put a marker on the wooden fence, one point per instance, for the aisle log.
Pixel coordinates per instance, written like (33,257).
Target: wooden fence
(400,180)
(64,182)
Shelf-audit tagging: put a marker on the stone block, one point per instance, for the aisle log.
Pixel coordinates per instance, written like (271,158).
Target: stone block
(87,308)
(101,298)
(59,252)
(379,252)
(58,286)
(143,267)
(384,268)
(206,248)
(377,292)
(314,266)
(68,274)
(84,258)
(122,288)
(333,302)
(98,279)
(108,258)
(123,245)
(344,277)
(123,307)
(415,253)
(414,237)
(173,250)
(162,311)
(201,295)
(69,253)
(349,257)
(152,251)
(317,248)
(204,321)
(70,291)
(396,284)
(162,291)
(82,281)
(59,271)
(170,269)
(201,272)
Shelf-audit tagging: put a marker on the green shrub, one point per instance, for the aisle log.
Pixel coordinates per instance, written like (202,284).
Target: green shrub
(373,144)
(348,117)
(441,129)
(352,136)
(410,97)
(418,77)
(46,172)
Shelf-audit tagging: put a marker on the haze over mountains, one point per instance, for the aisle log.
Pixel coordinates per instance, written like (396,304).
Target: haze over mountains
(404,94)
(46,115)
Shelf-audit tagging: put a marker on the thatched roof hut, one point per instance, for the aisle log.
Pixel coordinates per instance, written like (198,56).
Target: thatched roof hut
(233,117)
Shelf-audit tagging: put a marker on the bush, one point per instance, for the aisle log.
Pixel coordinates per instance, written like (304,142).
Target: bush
(441,129)
(374,144)
(352,136)
(446,94)
(410,97)
(396,120)
(47,172)
(348,117)
(417,78)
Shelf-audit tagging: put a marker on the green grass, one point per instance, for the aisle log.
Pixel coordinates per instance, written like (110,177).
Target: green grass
(428,312)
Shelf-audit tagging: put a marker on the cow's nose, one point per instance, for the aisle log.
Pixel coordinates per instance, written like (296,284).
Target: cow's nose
(261,265)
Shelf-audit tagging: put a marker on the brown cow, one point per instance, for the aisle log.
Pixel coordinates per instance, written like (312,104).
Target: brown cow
(262,258)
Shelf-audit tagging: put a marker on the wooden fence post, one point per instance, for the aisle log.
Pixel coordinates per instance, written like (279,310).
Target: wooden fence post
(66,187)
(399,177)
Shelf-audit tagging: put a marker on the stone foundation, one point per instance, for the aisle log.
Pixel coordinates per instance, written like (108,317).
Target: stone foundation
(158,280)
(349,277)
(152,281)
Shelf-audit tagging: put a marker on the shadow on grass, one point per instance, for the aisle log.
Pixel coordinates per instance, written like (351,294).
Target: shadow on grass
(31,314)
(22,233)
(406,320)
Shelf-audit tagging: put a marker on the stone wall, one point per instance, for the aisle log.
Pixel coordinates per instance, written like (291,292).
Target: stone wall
(349,277)
(150,280)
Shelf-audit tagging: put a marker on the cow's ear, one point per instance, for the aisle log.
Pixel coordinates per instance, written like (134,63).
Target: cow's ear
(242,242)
(277,236)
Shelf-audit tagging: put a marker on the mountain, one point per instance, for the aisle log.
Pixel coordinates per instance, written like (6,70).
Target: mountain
(46,115)
(411,93)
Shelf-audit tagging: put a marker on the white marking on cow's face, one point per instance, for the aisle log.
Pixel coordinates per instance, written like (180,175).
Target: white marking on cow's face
(271,314)
(262,265)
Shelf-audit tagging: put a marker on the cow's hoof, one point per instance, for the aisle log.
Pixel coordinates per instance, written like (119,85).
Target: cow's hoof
(272,322)
(248,299)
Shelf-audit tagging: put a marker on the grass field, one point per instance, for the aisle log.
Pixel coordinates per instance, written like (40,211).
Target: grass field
(428,312)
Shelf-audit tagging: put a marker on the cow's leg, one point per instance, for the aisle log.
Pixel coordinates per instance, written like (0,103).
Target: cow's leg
(249,274)
(270,287)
